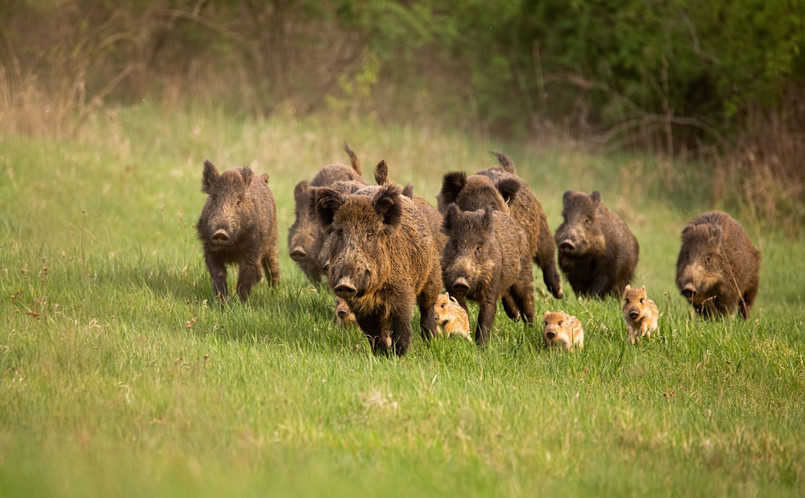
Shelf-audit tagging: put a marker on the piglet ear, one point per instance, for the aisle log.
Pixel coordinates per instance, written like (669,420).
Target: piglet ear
(327,202)
(209,177)
(450,218)
(381,173)
(508,189)
(627,288)
(596,197)
(452,185)
(388,204)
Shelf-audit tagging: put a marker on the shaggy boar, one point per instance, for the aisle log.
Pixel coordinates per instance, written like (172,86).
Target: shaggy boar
(303,235)
(382,261)
(501,189)
(562,330)
(238,225)
(718,267)
(639,312)
(597,252)
(486,259)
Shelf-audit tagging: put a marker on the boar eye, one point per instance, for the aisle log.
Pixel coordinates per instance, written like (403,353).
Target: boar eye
(239,201)
(340,232)
(641,300)
(588,221)
(559,323)
(369,236)
(707,258)
(478,249)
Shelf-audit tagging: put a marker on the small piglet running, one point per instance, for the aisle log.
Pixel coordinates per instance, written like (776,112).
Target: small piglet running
(382,261)
(238,225)
(486,258)
(718,268)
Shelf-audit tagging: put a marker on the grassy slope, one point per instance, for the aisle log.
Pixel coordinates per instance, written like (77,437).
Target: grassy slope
(117,376)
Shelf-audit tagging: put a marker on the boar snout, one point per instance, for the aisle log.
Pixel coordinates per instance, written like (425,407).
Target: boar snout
(567,245)
(298,254)
(550,334)
(689,290)
(345,289)
(342,313)
(634,314)
(461,286)
(220,237)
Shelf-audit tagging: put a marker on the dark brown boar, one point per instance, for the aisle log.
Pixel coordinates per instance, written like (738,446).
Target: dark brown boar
(597,251)
(238,225)
(303,235)
(382,261)
(718,268)
(500,188)
(486,259)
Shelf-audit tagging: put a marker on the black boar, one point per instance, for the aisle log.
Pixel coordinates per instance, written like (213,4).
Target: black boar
(238,225)
(501,189)
(303,235)
(597,251)
(486,259)
(718,267)
(382,261)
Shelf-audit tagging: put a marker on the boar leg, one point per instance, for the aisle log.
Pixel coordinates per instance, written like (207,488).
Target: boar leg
(218,273)
(426,299)
(510,307)
(523,296)
(248,276)
(551,278)
(487,306)
(271,266)
(747,300)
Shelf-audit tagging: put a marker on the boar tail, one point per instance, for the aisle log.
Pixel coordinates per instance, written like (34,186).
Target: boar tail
(504,161)
(353,159)
(382,173)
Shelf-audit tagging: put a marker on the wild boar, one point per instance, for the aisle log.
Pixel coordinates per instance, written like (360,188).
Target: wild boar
(382,261)
(303,235)
(501,189)
(451,317)
(344,316)
(562,330)
(597,251)
(486,259)
(640,313)
(238,224)
(718,268)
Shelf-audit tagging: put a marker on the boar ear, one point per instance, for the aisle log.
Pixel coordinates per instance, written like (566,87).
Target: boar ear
(566,196)
(643,288)
(627,288)
(715,232)
(327,202)
(450,217)
(508,188)
(488,219)
(408,191)
(388,205)
(300,189)
(381,173)
(452,184)
(596,197)
(264,177)
(209,177)
(247,175)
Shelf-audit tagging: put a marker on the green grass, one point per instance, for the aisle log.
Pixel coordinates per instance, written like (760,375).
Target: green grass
(120,376)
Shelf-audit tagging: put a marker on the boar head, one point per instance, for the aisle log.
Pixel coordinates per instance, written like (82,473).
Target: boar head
(229,210)
(469,258)
(580,234)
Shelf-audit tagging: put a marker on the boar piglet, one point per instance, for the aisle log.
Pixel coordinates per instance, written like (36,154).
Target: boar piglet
(382,261)
(597,251)
(238,225)
(486,259)
(304,234)
(718,268)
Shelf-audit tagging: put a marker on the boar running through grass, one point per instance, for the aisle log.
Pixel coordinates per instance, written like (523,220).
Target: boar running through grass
(597,251)
(562,330)
(640,313)
(382,261)
(304,234)
(486,259)
(718,268)
(238,225)
(501,189)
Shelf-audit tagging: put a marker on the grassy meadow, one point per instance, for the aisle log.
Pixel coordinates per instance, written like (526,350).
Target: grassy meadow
(119,375)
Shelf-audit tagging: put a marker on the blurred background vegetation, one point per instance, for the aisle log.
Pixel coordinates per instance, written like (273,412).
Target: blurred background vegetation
(718,85)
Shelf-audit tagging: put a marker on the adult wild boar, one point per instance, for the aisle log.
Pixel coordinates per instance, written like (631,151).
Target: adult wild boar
(303,235)
(597,251)
(718,268)
(382,261)
(238,225)
(486,259)
(501,189)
